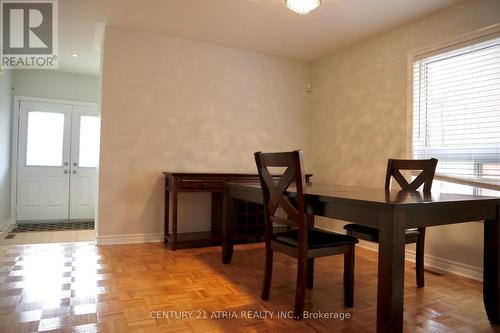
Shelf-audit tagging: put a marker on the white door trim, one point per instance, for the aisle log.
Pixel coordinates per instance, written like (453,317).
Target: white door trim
(15,140)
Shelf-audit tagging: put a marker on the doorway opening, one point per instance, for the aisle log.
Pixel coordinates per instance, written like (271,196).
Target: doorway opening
(55,170)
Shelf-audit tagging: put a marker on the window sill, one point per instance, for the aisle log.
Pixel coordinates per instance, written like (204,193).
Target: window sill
(476,183)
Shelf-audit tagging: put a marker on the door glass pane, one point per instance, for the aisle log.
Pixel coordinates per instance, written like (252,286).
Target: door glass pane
(45,139)
(89,141)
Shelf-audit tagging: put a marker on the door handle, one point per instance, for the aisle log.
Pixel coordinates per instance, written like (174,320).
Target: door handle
(66,172)
(74,172)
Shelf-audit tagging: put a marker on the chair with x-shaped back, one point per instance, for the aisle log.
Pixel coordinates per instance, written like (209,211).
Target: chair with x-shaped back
(425,178)
(301,240)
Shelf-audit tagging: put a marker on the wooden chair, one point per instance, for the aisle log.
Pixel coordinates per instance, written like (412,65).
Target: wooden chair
(301,240)
(425,178)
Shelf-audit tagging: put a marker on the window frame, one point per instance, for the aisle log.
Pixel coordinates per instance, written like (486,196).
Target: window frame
(431,50)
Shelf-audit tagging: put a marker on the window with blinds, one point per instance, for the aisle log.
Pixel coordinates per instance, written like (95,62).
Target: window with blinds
(456,111)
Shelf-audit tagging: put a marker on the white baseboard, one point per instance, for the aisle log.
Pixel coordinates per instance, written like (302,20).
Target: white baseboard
(368,245)
(437,264)
(129,239)
(432,263)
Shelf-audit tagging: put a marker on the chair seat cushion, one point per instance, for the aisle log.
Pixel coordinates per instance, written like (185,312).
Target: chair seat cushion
(316,238)
(371,234)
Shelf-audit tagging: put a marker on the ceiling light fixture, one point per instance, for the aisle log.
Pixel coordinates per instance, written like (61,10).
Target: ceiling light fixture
(74,55)
(302,7)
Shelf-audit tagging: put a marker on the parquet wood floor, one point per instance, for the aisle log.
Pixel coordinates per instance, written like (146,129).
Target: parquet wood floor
(81,287)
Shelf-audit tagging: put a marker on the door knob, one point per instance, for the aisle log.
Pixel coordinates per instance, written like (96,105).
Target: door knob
(66,171)
(74,172)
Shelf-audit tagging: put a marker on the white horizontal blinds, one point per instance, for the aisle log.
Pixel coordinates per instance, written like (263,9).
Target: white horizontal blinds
(456,110)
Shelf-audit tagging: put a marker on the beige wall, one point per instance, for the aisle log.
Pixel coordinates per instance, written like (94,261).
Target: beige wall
(358,117)
(55,84)
(5,143)
(177,105)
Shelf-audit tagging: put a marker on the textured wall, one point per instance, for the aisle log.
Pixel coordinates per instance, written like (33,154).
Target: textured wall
(178,105)
(358,117)
(5,142)
(55,84)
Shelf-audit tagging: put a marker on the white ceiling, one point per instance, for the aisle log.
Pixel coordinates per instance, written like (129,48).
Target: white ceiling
(260,25)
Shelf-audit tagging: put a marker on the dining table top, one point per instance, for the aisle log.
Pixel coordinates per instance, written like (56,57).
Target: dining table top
(327,192)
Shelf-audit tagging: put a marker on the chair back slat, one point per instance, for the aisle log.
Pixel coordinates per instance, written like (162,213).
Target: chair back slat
(274,188)
(425,178)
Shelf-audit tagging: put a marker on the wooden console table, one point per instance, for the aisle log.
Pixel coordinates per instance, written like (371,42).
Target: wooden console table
(250,216)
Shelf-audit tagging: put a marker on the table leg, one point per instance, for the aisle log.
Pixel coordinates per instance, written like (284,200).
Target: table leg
(227,228)
(491,271)
(174,217)
(167,216)
(391,260)
(217,212)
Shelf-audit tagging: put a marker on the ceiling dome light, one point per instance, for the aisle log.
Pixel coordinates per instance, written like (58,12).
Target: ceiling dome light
(303,7)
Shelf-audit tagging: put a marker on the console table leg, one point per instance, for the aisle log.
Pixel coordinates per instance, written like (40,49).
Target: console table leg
(217,212)
(174,216)
(227,228)
(166,217)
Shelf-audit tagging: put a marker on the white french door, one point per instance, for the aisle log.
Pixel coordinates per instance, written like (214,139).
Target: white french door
(43,161)
(84,160)
(57,160)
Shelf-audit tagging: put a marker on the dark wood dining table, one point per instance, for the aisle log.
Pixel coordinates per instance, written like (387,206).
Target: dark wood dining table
(391,212)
